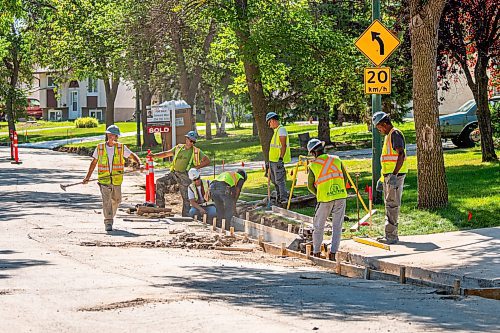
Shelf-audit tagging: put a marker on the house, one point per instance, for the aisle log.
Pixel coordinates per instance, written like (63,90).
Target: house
(84,98)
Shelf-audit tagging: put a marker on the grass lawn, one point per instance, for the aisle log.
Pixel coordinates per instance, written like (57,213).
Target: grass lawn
(473,186)
(4,126)
(53,133)
(240,145)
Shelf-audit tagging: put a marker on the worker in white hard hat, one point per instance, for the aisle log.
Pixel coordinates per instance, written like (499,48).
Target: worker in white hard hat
(199,197)
(326,181)
(186,156)
(110,158)
(394,170)
(279,154)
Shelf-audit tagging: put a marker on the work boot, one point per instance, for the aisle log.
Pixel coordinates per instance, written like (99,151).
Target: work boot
(388,241)
(108,227)
(317,255)
(331,256)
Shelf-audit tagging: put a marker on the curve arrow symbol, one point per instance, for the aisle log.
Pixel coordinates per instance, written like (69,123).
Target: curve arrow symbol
(376,37)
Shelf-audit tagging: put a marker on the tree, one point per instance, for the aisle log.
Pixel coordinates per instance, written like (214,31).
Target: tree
(85,39)
(470,42)
(18,23)
(424,23)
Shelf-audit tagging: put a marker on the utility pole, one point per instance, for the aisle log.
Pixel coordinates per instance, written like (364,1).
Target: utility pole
(376,140)
(138,116)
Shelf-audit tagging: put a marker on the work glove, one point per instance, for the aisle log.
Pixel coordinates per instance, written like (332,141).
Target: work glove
(393,181)
(281,164)
(266,171)
(380,186)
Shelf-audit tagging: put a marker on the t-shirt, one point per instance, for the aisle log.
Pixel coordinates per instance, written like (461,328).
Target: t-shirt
(198,188)
(111,152)
(282,131)
(181,163)
(397,140)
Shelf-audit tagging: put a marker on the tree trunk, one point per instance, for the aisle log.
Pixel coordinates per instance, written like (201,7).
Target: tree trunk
(111,88)
(223,117)
(216,114)
(208,114)
(483,110)
(146,97)
(324,125)
(432,185)
(255,130)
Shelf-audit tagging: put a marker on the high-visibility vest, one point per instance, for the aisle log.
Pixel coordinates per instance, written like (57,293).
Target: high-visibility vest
(206,188)
(329,178)
(116,176)
(275,148)
(389,156)
(195,156)
(229,177)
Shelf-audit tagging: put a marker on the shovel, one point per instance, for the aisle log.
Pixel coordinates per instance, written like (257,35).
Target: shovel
(268,188)
(63,187)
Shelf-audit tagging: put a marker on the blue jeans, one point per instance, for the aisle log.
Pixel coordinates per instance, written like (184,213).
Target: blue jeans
(211,213)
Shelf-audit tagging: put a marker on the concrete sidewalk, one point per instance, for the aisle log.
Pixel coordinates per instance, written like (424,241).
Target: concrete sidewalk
(471,255)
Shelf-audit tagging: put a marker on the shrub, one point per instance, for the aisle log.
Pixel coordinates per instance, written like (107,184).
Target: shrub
(87,122)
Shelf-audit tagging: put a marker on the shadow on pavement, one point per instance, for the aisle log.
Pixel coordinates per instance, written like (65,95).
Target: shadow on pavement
(7,265)
(323,296)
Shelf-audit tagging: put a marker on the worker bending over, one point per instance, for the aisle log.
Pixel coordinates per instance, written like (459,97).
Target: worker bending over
(394,170)
(199,196)
(110,160)
(326,181)
(225,191)
(186,156)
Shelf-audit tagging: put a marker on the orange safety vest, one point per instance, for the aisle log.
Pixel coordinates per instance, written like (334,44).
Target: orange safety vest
(330,185)
(116,175)
(389,156)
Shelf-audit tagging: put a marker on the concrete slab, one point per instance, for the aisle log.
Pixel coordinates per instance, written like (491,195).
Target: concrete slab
(472,254)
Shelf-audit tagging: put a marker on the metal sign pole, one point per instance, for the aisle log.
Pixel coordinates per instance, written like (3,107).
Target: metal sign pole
(376,139)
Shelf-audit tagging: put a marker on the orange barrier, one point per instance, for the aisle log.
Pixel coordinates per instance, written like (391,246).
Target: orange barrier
(150,179)
(16,149)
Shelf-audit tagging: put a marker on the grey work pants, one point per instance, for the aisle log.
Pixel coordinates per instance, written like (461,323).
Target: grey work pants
(392,196)
(171,178)
(223,198)
(111,198)
(323,210)
(278,178)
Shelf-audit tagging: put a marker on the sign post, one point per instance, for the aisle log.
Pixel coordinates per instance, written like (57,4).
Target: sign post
(377,43)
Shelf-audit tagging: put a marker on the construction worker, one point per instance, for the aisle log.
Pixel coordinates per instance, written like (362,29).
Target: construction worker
(394,169)
(225,191)
(279,154)
(186,156)
(199,196)
(110,160)
(326,181)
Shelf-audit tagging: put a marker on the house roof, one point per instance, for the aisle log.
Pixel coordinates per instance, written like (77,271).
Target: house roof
(179,104)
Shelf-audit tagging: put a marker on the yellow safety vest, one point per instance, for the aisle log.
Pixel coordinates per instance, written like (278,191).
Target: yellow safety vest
(330,185)
(275,148)
(116,175)
(194,156)
(206,188)
(389,156)
(229,177)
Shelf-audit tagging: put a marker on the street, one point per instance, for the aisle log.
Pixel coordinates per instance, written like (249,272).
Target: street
(49,282)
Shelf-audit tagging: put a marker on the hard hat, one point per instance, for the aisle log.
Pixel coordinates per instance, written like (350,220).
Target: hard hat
(113,129)
(191,135)
(271,115)
(193,174)
(378,116)
(243,174)
(313,145)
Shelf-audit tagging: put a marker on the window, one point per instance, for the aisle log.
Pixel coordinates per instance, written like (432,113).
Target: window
(50,82)
(92,86)
(96,114)
(55,115)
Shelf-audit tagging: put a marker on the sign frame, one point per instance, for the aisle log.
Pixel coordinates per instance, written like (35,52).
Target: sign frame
(376,36)
(377,83)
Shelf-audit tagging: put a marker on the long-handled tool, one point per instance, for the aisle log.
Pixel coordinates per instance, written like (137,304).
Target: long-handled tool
(63,187)
(268,188)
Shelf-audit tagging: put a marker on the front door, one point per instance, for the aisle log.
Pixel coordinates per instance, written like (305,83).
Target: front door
(74,105)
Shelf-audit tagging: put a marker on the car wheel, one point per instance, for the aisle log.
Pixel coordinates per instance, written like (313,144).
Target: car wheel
(466,137)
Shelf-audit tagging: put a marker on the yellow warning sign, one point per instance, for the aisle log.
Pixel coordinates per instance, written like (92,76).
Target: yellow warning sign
(377,43)
(378,80)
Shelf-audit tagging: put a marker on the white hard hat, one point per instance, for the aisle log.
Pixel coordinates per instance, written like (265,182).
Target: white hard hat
(314,144)
(193,174)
